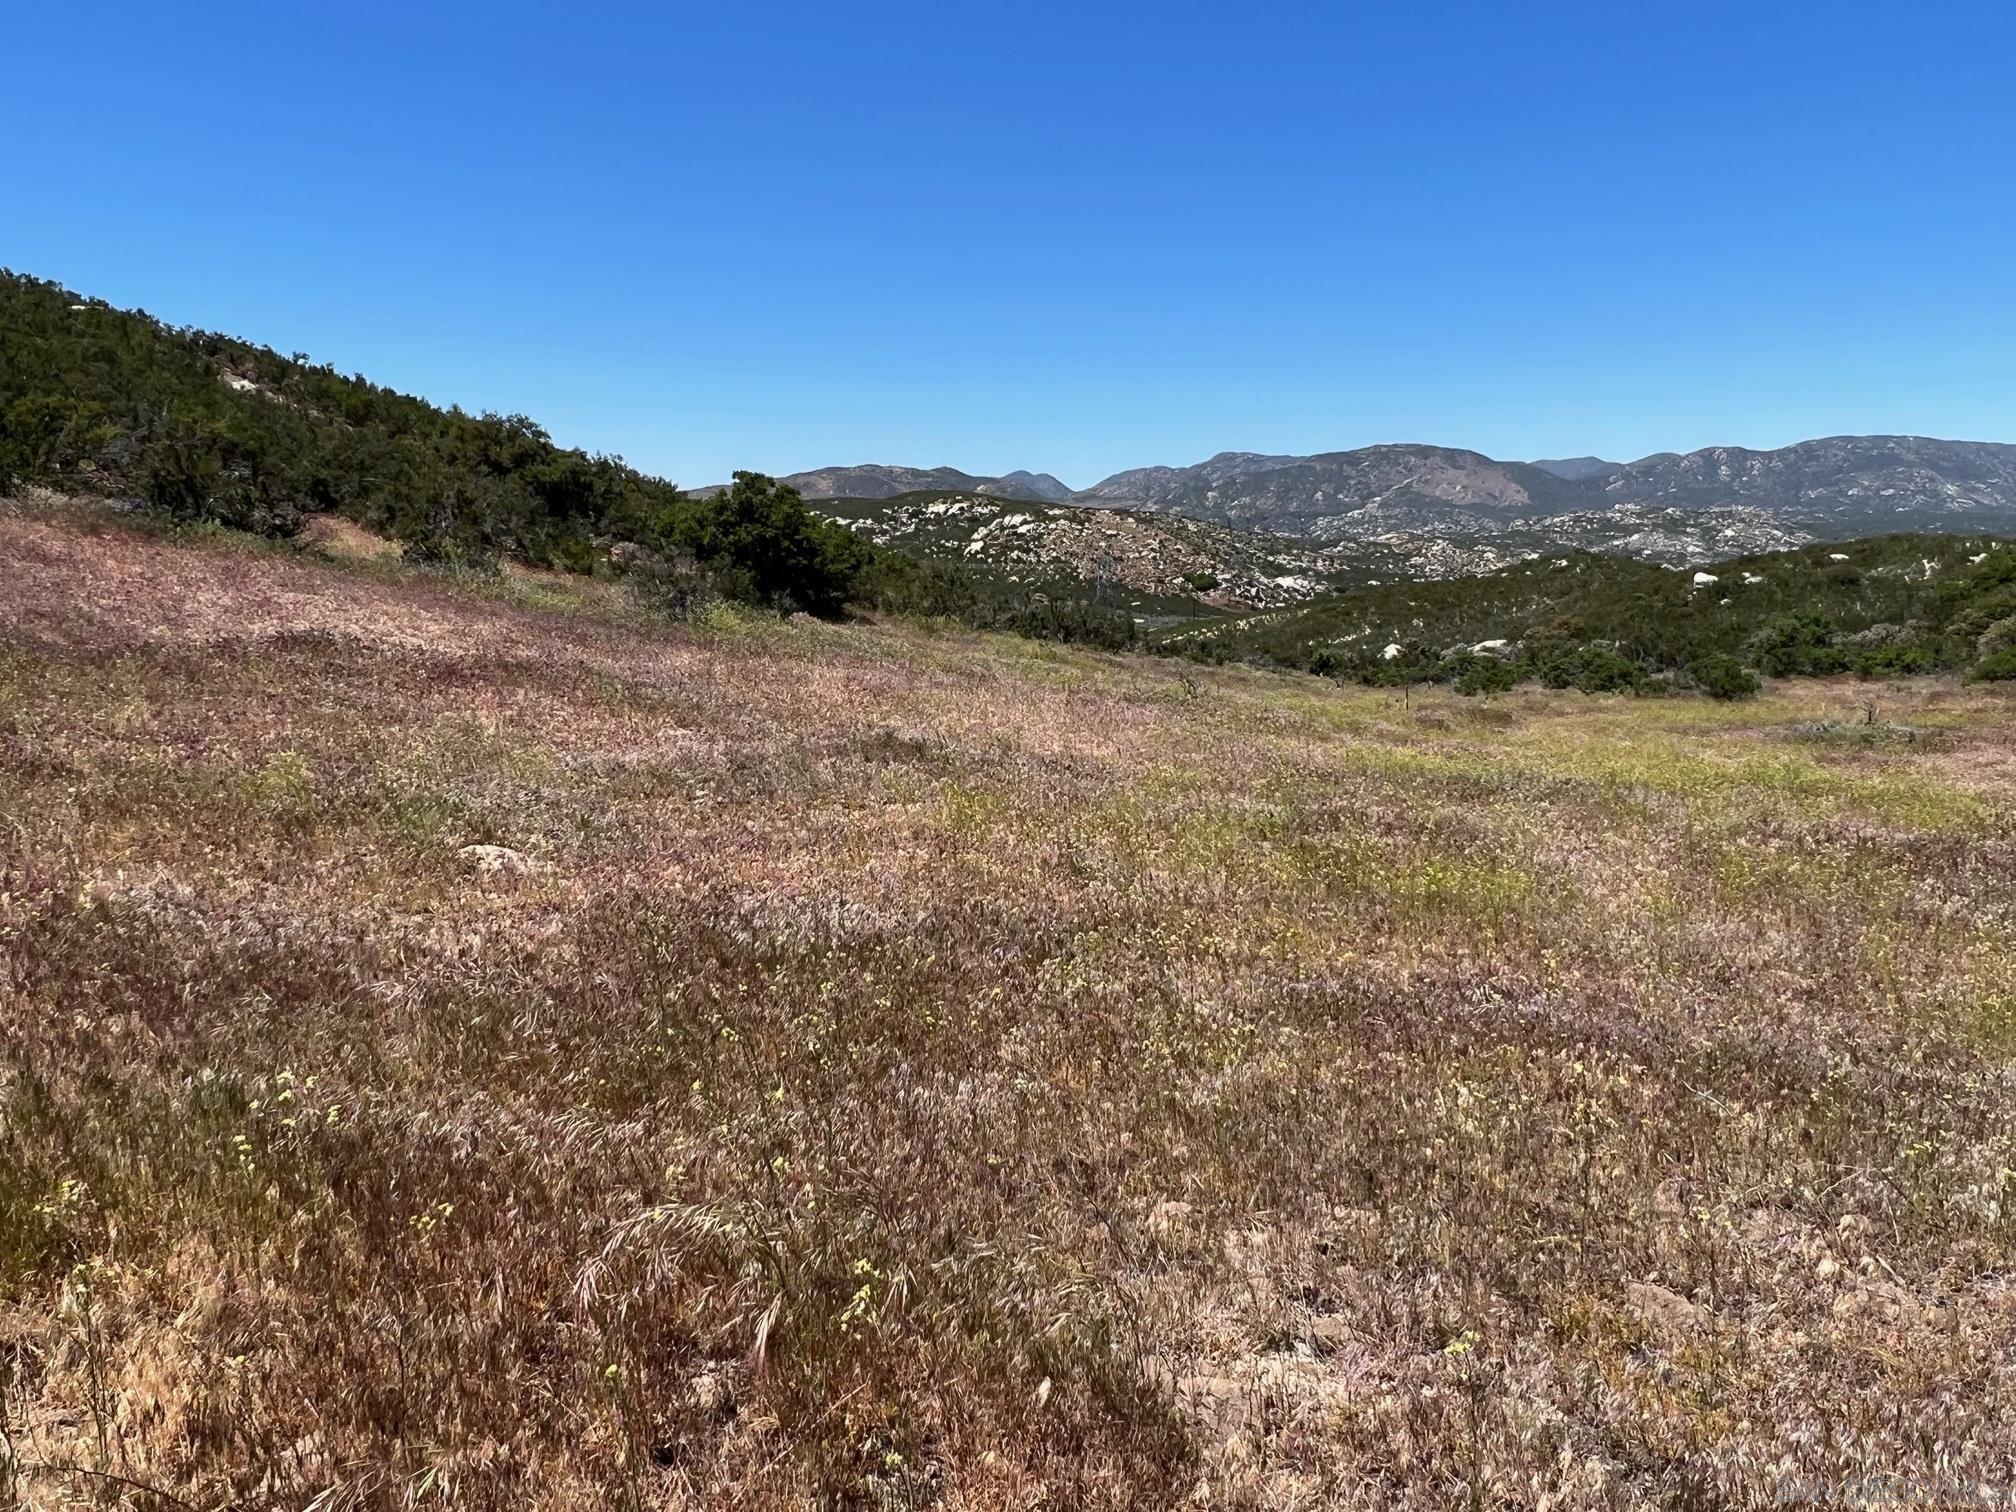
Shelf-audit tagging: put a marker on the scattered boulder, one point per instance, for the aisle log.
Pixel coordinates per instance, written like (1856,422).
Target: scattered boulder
(1329,1334)
(1888,1303)
(1659,1307)
(500,861)
(1222,1407)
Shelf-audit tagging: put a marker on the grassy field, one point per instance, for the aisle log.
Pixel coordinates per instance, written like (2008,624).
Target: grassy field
(899,1070)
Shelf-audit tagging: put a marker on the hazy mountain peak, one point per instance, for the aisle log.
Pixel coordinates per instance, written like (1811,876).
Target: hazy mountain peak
(1024,484)
(882,480)
(1576,468)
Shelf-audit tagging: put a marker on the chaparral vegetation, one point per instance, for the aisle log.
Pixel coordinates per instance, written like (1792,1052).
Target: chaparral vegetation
(470,1042)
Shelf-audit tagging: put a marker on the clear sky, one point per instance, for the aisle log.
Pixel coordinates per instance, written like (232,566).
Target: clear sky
(1074,237)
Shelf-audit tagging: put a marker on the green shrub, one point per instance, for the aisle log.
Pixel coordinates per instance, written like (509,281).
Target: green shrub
(50,435)
(765,547)
(1486,674)
(2001,667)
(1722,676)
(1073,620)
(1601,670)
(1798,645)
(1998,636)
(1905,660)
(1415,664)
(1593,669)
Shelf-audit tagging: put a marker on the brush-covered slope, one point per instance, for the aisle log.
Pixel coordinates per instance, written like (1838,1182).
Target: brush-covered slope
(1902,603)
(197,427)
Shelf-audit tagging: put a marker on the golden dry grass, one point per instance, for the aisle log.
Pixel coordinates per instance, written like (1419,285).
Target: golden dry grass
(940,1070)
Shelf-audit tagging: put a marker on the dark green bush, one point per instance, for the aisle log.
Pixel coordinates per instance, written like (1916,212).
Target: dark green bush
(2000,667)
(1593,669)
(765,547)
(1798,645)
(1072,620)
(1477,673)
(1722,676)
(1905,660)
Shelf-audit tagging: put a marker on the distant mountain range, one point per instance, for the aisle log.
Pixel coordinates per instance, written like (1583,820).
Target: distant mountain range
(874,480)
(1383,513)
(1720,499)
(1844,485)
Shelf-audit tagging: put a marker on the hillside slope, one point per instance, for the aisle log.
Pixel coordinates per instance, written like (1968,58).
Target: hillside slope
(468,1035)
(191,427)
(1896,603)
(1345,494)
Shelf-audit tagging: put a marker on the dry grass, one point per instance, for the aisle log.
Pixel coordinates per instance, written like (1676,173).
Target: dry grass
(946,1071)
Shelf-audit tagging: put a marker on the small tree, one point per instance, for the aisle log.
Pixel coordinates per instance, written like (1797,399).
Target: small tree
(1486,674)
(1798,645)
(1722,676)
(766,547)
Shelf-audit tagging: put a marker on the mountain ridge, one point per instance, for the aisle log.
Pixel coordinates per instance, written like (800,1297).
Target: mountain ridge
(883,480)
(1827,486)
(1854,484)
(1575,469)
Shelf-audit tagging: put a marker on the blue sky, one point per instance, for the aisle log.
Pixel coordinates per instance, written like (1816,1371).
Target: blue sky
(1069,237)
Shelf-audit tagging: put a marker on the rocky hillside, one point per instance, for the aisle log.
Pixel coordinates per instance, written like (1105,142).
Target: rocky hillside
(1346,495)
(1860,482)
(1158,565)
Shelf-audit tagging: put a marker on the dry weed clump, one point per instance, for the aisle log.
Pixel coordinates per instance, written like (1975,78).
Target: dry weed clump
(461,1048)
